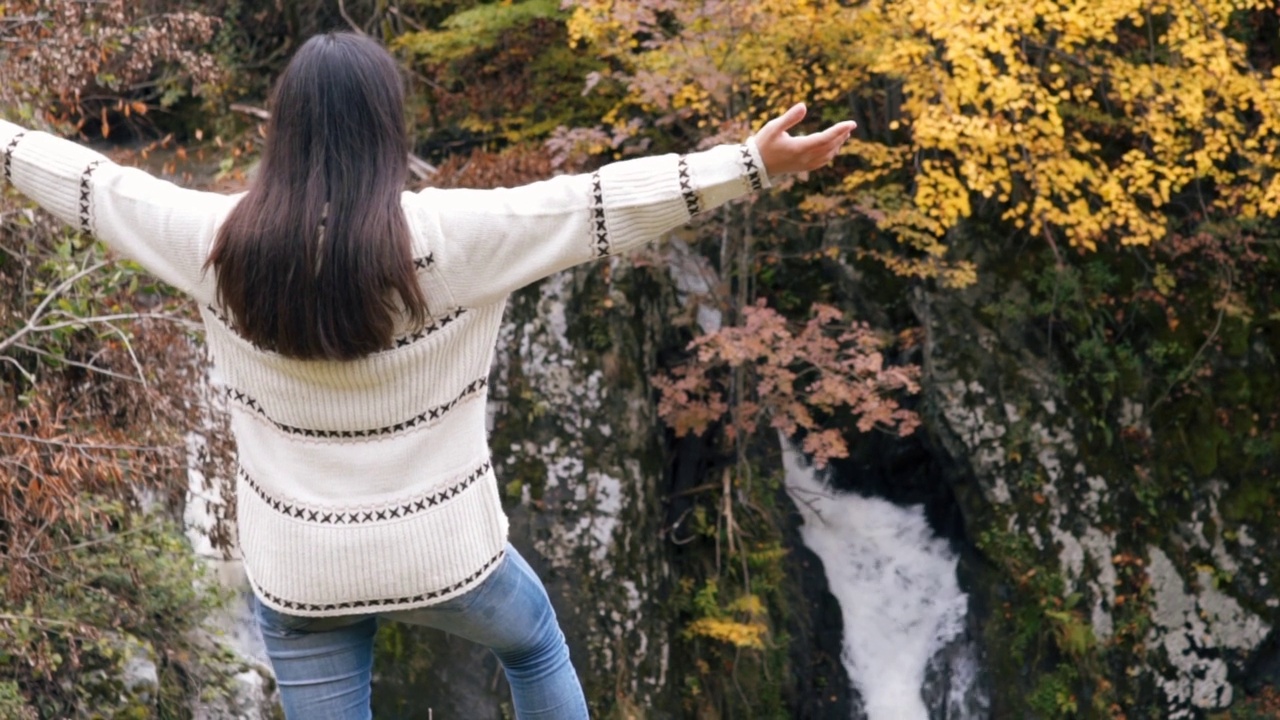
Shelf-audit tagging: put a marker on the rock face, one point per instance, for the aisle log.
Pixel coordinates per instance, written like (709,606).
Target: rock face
(582,467)
(1098,591)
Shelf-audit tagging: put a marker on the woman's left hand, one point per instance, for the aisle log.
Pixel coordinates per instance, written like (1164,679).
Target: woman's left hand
(783,153)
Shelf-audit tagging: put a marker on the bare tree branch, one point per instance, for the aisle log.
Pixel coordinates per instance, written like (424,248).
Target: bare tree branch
(113,537)
(74,363)
(30,378)
(92,319)
(35,315)
(85,446)
(342,10)
(250,110)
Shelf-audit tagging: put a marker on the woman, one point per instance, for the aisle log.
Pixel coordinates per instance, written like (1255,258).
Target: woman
(352,325)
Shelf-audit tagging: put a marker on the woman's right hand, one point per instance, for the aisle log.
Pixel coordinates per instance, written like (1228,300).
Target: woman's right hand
(782,153)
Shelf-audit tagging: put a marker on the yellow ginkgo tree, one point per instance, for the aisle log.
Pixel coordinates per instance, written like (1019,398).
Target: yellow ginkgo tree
(1081,122)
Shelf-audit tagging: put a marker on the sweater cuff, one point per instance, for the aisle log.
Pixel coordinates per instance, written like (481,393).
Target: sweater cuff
(723,173)
(766,182)
(53,172)
(8,130)
(10,136)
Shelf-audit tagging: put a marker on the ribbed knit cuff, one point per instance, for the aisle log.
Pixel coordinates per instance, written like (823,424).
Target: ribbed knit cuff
(53,172)
(8,131)
(765,181)
(641,200)
(727,172)
(646,197)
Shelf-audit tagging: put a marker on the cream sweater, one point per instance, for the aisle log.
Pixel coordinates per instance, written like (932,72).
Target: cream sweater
(366,485)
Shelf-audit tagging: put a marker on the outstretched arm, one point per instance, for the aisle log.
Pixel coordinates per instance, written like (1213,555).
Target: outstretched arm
(488,243)
(167,229)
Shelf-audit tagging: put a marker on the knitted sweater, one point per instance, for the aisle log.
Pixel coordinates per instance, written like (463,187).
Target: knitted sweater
(366,485)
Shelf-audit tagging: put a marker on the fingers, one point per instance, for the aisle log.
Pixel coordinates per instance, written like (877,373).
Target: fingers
(843,129)
(831,138)
(837,133)
(820,149)
(785,121)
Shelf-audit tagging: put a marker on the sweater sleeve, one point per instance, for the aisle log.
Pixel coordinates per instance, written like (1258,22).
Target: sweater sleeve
(165,228)
(489,243)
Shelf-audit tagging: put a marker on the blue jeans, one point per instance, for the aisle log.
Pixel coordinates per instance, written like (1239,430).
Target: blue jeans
(324,666)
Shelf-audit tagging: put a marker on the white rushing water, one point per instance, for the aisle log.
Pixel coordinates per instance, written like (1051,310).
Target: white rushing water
(895,582)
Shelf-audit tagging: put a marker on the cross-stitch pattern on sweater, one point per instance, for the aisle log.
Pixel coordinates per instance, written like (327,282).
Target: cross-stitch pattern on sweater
(691,199)
(435,325)
(348,516)
(86,197)
(426,417)
(753,171)
(387,604)
(8,156)
(599,228)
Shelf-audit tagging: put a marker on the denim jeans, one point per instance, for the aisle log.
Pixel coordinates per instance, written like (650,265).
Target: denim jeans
(324,666)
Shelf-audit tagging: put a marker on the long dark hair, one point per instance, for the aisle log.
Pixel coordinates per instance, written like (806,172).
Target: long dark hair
(316,262)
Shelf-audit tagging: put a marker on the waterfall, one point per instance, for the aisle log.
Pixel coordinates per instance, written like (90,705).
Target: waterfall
(895,581)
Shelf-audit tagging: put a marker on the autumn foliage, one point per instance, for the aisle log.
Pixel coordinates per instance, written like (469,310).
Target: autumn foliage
(1080,123)
(74,62)
(798,379)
